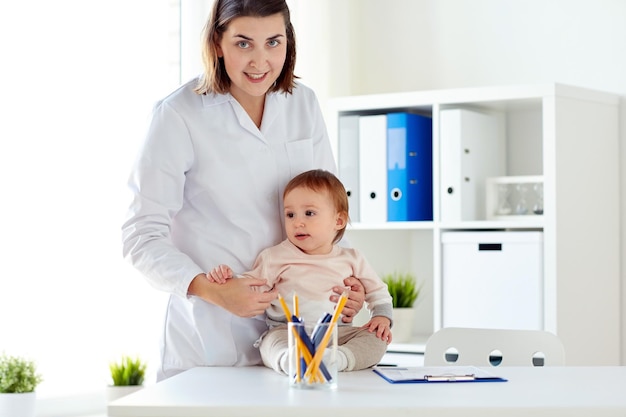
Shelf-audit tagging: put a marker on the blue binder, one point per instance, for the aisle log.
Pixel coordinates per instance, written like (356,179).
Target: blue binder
(409,167)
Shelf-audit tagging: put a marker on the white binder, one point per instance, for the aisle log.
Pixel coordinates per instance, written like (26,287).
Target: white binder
(373,168)
(348,147)
(473,146)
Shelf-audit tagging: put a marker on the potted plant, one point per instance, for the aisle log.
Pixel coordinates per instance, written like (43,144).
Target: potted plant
(18,380)
(404,292)
(127,375)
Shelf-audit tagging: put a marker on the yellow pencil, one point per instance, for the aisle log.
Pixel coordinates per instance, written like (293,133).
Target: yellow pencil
(298,353)
(299,342)
(285,308)
(313,367)
(296,308)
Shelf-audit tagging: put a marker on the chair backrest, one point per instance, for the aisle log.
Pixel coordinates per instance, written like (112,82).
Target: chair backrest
(493,347)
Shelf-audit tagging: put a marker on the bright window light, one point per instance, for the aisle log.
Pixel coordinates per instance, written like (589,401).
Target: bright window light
(78,80)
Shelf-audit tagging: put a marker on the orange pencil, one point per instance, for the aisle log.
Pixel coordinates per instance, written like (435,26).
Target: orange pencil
(298,353)
(299,342)
(317,359)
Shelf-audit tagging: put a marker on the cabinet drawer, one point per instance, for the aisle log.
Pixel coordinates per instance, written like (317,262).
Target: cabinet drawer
(493,279)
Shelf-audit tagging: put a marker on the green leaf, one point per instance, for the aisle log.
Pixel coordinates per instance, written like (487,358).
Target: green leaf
(403,289)
(18,375)
(128,371)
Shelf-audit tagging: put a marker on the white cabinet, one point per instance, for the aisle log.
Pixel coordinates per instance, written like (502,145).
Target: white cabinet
(492,280)
(565,136)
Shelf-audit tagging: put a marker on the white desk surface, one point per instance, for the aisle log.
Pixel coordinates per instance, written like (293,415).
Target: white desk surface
(260,392)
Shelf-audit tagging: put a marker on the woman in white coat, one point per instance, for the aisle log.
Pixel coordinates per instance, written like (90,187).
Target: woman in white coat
(208,181)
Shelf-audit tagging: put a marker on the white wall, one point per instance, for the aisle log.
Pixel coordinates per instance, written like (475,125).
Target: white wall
(376,46)
(78,81)
(193,16)
(399,45)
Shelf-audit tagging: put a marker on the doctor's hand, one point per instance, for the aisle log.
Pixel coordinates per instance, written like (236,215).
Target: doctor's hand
(356,298)
(242,296)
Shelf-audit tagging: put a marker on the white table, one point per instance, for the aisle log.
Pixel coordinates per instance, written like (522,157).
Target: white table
(260,392)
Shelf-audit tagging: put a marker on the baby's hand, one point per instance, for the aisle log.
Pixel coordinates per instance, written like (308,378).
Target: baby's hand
(220,274)
(382,326)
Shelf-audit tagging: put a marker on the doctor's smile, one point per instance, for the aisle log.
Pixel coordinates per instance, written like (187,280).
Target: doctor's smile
(255,77)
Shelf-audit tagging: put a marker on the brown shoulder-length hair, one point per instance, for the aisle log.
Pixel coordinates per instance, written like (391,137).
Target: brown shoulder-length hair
(215,79)
(320,180)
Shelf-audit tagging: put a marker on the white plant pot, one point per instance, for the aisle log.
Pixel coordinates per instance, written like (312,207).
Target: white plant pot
(18,405)
(115,392)
(402,330)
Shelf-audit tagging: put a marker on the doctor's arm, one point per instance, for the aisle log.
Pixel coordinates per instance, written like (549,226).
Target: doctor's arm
(235,295)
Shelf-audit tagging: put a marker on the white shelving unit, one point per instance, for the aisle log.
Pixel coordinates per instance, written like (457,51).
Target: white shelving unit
(568,136)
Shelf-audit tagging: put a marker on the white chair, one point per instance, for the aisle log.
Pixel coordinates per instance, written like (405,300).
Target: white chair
(493,347)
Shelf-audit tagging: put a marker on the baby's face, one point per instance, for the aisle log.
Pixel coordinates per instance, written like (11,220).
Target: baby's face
(311,221)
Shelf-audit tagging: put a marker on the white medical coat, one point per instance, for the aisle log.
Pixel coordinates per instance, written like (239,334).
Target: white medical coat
(207,189)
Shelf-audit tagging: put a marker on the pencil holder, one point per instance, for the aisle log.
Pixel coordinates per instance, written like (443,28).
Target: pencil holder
(313,355)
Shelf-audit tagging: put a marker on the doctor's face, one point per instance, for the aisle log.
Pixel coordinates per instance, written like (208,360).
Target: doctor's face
(254,51)
(311,221)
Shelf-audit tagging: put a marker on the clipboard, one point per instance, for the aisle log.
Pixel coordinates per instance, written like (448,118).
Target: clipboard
(435,374)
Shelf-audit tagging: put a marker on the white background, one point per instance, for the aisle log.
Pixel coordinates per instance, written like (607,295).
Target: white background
(78,79)
(77,82)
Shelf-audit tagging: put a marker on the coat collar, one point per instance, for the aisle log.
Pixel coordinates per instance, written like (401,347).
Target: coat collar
(270,112)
